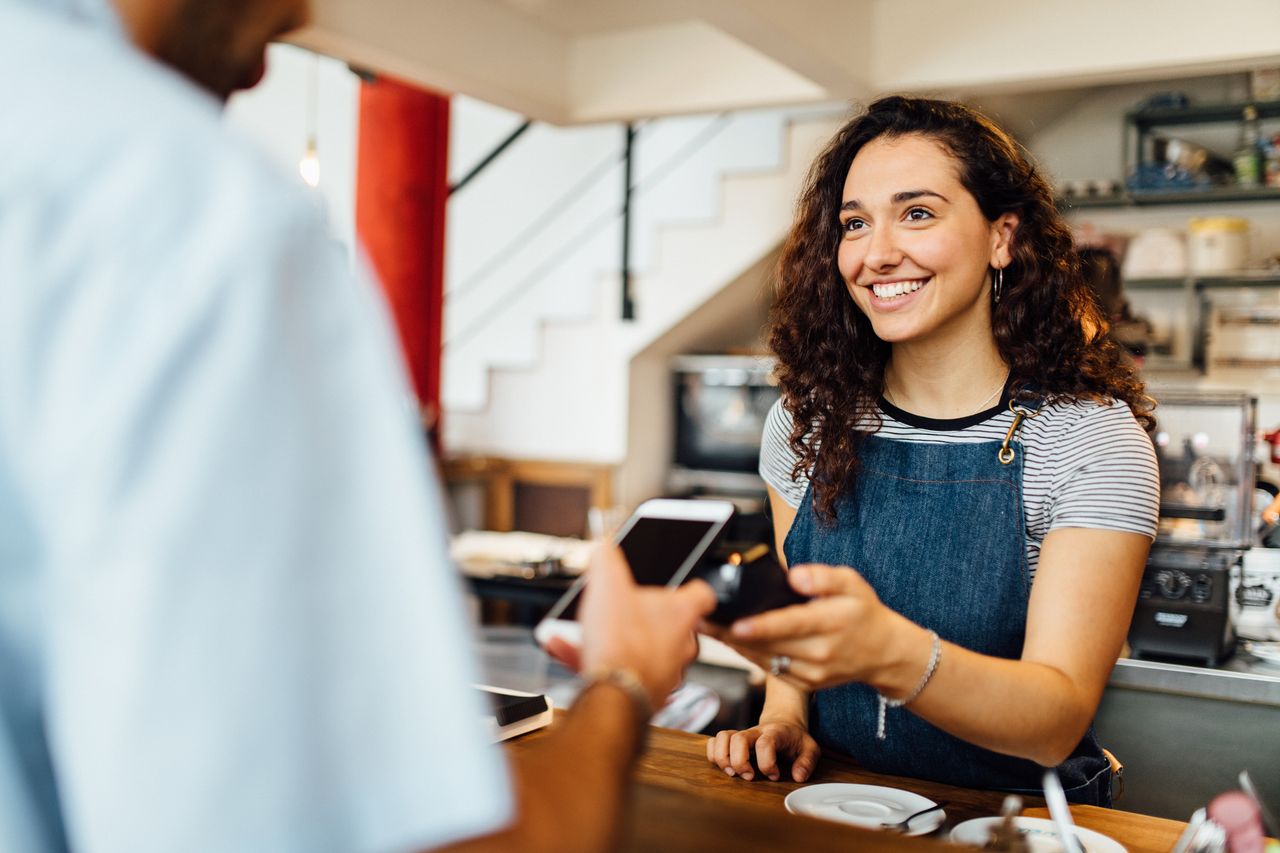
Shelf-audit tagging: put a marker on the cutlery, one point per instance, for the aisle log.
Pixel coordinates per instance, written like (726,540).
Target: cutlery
(1269,822)
(1004,836)
(901,825)
(1056,799)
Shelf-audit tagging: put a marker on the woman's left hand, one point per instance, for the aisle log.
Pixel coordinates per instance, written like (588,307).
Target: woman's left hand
(844,634)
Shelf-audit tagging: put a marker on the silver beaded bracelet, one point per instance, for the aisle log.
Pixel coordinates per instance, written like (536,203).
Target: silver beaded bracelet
(628,682)
(885,704)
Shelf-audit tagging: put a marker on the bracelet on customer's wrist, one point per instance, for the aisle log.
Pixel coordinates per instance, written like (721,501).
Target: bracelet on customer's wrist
(629,683)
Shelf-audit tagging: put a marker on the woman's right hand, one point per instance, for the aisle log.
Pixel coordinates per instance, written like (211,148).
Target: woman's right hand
(772,743)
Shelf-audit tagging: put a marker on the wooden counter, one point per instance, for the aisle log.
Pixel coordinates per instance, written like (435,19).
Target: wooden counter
(680,802)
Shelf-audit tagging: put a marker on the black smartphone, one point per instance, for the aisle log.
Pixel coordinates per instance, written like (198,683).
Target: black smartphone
(747,582)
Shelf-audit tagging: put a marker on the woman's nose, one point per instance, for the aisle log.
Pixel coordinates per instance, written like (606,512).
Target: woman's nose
(882,250)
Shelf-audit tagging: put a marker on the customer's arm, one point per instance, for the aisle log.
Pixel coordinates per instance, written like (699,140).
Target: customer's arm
(571,785)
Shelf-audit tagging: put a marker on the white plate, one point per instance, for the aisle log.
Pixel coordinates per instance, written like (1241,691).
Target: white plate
(867,806)
(1042,835)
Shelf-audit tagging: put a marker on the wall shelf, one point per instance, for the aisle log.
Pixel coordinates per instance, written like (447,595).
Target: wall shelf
(1205,282)
(1153,198)
(1139,126)
(1200,114)
(1175,283)
(1197,290)
(1239,280)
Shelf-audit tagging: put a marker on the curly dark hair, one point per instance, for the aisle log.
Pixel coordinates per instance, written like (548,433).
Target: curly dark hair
(1047,325)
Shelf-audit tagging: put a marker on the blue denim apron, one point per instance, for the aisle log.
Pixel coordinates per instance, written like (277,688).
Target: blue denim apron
(938,532)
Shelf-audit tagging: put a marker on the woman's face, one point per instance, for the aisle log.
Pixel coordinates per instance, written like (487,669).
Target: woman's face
(915,248)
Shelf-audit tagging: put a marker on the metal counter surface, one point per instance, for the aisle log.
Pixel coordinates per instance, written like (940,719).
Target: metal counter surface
(510,658)
(1241,678)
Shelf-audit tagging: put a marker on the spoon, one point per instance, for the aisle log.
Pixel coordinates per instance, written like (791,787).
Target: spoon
(901,826)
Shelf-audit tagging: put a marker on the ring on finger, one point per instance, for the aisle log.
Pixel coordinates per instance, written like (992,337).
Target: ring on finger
(779,665)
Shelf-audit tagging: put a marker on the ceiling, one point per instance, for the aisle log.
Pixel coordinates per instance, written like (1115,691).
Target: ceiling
(575,61)
(588,17)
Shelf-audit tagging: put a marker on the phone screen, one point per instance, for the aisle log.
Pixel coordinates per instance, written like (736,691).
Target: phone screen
(655,548)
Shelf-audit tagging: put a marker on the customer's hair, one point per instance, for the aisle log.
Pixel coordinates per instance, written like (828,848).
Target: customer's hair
(1101,271)
(1047,325)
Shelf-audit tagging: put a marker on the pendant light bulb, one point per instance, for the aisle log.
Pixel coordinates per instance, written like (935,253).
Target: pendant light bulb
(309,165)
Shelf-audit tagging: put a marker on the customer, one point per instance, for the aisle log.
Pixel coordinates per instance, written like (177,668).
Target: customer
(1101,271)
(955,427)
(227,616)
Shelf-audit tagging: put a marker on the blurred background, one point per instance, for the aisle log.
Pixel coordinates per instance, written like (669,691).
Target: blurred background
(575,208)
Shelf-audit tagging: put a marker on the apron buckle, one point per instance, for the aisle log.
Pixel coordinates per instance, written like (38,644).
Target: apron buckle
(1020,414)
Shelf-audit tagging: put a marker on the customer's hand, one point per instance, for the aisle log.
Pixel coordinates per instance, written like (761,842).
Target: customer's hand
(648,630)
(773,743)
(844,634)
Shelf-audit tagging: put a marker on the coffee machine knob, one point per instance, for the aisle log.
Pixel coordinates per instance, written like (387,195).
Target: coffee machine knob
(1172,583)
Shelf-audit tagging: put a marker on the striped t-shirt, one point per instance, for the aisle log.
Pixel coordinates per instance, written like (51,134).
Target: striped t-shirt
(1085,464)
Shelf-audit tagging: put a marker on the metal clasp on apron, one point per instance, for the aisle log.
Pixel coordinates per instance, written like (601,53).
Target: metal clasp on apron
(1020,414)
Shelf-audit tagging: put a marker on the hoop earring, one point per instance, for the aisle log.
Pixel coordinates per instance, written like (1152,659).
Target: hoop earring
(999,284)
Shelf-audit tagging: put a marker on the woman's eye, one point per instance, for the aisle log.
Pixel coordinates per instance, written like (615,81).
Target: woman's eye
(918,214)
(851,225)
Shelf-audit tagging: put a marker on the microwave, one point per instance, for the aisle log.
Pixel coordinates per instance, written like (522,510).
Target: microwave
(721,403)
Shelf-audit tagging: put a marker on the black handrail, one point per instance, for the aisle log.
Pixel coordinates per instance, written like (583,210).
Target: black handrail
(628,304)
(490,157)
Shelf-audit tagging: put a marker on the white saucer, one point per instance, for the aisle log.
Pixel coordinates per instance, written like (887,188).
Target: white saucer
(1042,835)
(867,806)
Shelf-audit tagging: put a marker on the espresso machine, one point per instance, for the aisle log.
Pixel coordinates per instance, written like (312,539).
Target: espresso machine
(1185,610)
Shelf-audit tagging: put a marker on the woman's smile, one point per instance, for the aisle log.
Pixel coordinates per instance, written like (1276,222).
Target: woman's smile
(896,294)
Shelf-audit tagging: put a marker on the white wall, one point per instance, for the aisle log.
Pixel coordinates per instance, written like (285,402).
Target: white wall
(276,115)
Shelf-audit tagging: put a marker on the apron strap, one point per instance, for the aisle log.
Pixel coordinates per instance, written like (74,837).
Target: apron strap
(1021,411)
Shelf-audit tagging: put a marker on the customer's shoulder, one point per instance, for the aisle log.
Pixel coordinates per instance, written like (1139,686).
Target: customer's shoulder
(98,118)
(78,77)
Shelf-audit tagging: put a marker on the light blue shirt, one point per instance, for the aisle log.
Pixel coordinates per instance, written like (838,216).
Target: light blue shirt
(227,617)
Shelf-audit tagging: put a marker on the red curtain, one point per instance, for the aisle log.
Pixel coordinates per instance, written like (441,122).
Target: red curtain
(401,190)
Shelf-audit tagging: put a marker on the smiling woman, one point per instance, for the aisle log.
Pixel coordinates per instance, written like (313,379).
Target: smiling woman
(915,260)
(976,563)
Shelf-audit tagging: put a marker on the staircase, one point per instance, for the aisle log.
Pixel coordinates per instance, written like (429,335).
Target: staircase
(537,360)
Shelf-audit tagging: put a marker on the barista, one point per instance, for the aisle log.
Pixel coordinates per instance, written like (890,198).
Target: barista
(957,467)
